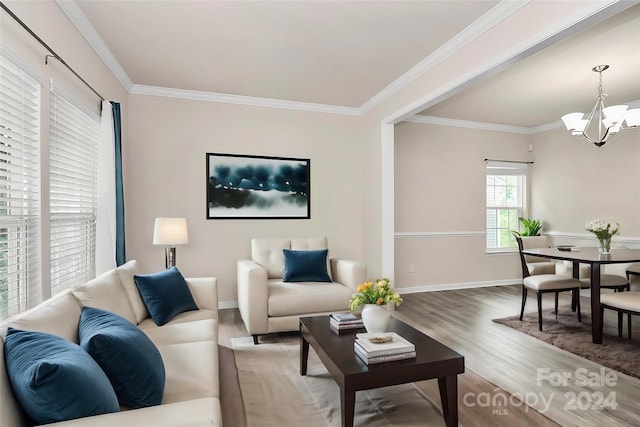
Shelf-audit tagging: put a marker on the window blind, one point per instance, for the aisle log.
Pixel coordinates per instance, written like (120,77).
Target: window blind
(73,193)
(19,188)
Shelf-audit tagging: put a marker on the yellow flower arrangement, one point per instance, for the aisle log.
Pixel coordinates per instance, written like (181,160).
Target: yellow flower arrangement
(377,292)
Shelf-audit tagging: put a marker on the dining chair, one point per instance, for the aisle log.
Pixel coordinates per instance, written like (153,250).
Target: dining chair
(624,302)
(545,283)
(537,265)
(607,281)
(633,270)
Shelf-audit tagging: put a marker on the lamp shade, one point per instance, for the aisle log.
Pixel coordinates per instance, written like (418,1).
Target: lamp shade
(170,231)
(574,122)
(615,113)
(632,118)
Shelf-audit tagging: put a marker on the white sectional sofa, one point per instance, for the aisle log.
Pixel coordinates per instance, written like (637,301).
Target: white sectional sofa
(188,345)
(269,304)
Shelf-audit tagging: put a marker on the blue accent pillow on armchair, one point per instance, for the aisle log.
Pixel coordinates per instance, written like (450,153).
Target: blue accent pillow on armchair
(166,294)
(54,379)
(305,266)
(131,361)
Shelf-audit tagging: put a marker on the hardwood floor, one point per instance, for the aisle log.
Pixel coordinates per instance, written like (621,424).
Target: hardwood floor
(497,358)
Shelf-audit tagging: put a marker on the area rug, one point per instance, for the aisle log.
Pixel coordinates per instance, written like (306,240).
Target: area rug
(276,395)
(567,333)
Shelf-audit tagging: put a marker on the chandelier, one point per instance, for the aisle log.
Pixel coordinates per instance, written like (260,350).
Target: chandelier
(603,123)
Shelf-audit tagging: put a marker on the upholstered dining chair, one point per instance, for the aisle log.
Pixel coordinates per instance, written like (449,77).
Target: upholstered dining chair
(545,283)
(607,281)
(623,302)
(537,265)
(633,270)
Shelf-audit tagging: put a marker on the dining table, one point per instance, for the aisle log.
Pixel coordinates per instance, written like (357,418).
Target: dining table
(595,259)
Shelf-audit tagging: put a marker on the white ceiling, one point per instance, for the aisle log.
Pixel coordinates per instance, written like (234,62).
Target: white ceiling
(344,53)
(325,52)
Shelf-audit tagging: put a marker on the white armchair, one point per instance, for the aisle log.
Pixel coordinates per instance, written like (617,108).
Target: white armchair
(268,304)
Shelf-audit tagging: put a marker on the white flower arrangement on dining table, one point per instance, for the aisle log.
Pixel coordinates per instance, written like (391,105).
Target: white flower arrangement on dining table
(603,231)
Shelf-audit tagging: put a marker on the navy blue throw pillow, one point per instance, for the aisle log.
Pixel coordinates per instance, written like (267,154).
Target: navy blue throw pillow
(166,294)
(54,379)
(131,361)
(305,266)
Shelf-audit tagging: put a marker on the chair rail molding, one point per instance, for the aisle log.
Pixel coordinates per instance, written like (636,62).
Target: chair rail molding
(617,240)
(437,234)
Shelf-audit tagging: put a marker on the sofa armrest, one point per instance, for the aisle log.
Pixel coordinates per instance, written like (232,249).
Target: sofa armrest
(204,291)
(253,292)
(349,273)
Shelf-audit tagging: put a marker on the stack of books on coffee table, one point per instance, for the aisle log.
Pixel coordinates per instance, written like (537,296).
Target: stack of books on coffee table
(383,347)
(345,322)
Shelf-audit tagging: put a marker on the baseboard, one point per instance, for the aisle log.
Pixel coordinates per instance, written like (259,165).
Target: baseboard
(452,286)
(227,304)
(423,288)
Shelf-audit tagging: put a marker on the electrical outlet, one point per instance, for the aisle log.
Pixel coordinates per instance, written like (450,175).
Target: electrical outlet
(412,268)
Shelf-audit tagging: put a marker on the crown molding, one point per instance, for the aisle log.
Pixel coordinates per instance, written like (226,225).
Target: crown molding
(242,100)
(496,15)
(80,21)
(487,21)
(468,124)
(490,19)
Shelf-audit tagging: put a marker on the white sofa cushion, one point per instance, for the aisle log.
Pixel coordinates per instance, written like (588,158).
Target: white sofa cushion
(59,316)
(191,371)
(177,333)
(286,298)
(187,316)
(268,253)
(126,272)
(106,292)
(199,412)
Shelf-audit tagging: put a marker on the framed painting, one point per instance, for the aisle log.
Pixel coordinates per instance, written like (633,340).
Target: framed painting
(257,187)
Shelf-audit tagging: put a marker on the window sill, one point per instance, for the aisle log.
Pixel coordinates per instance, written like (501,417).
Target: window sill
(501,251)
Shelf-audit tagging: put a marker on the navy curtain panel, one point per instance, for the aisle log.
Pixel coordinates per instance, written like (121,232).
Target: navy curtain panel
(121,254)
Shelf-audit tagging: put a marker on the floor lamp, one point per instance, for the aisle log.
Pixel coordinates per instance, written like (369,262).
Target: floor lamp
(170,232)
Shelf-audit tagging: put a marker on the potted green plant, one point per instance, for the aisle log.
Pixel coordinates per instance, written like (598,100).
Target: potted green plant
(531,227)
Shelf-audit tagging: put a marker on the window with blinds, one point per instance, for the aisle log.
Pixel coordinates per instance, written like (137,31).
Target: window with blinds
(505,203)
(73,193)
(19,188)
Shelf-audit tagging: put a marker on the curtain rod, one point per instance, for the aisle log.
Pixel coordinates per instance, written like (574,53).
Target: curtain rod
(46,46)
(508,161)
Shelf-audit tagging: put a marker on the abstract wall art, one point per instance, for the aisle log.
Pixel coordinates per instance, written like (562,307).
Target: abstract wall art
(257,187)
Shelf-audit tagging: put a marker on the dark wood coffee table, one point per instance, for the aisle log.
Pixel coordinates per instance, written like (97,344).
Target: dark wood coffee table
(433,360)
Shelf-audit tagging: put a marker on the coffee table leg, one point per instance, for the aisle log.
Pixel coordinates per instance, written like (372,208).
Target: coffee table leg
(304,355)
(449,396)
(347,404)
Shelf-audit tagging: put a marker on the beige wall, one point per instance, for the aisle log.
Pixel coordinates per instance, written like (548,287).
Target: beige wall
(165,140)
(165,155)
(440,210)
(574,182)
(530,24)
